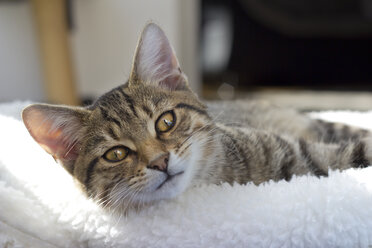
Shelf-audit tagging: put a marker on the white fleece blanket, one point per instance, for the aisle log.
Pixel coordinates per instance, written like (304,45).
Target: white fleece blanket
(40,207)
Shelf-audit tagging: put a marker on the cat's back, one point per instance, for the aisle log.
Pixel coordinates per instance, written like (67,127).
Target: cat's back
(259,115)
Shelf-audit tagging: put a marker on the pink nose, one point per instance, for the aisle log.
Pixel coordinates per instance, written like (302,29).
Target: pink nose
(160,163)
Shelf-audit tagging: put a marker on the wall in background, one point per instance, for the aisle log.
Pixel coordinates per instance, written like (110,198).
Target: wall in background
(103,40)
(20,70)
(106,33)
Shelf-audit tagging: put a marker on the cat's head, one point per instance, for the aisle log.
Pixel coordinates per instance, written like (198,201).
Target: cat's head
(140,142)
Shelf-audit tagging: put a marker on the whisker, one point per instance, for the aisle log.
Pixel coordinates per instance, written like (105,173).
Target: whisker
(70,147)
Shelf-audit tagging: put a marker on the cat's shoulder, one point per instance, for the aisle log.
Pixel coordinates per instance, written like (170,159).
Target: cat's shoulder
(242,110)
(240,104)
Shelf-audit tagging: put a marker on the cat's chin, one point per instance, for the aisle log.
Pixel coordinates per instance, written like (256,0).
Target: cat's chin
(168,180)
(168,191)
(169,187)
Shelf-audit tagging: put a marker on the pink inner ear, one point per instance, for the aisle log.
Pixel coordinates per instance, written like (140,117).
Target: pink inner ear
(55,144)
(173,82)
(53,139)
(156,61)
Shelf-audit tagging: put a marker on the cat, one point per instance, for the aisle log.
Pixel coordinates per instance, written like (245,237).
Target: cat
(152,138)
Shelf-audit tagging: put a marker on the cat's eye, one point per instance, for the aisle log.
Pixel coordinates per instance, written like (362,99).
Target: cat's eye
(116,154)
(165,122)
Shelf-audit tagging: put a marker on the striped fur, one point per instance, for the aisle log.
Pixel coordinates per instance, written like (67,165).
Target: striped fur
(234,142)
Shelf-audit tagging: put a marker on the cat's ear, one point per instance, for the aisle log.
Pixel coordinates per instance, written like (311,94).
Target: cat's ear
(56,128)
(155,61)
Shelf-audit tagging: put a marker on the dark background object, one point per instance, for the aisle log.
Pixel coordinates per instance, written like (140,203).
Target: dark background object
(303,44)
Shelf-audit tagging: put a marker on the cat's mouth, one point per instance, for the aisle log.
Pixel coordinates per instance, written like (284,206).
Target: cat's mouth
(168,179)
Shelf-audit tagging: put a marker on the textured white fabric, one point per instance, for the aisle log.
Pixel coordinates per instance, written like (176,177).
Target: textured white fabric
(40,207)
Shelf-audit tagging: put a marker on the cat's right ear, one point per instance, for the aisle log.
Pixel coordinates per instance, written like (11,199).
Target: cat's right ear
(155,61)
(57,129)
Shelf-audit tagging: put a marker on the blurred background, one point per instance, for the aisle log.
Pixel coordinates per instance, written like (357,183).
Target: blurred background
(308,54)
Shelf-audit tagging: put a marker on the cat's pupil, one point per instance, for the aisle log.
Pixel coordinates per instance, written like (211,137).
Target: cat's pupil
(118,154)
(168,122)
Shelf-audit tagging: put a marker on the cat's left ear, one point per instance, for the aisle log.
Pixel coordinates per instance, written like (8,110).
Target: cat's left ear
(155,61)
(57,129)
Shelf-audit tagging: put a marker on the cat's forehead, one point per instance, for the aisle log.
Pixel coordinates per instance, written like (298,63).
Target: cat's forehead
(131,99)
(129,108)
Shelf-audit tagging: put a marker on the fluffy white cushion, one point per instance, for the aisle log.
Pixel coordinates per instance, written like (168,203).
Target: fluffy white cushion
(40,207)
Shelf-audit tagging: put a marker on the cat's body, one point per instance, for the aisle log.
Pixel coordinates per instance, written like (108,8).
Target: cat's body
(152,138)
(264,142)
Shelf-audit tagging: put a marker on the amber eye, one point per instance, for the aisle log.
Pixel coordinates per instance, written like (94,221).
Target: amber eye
(165,122)
(116,154)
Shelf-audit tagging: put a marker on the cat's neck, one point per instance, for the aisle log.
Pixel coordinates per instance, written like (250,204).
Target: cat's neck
(216,166)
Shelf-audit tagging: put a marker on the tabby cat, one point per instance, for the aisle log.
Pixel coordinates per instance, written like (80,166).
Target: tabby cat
(152,138)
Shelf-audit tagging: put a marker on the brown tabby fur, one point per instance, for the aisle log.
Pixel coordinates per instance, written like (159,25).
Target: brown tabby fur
(230,142)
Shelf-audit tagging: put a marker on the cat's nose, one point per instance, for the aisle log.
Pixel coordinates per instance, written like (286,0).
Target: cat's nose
(160,163)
